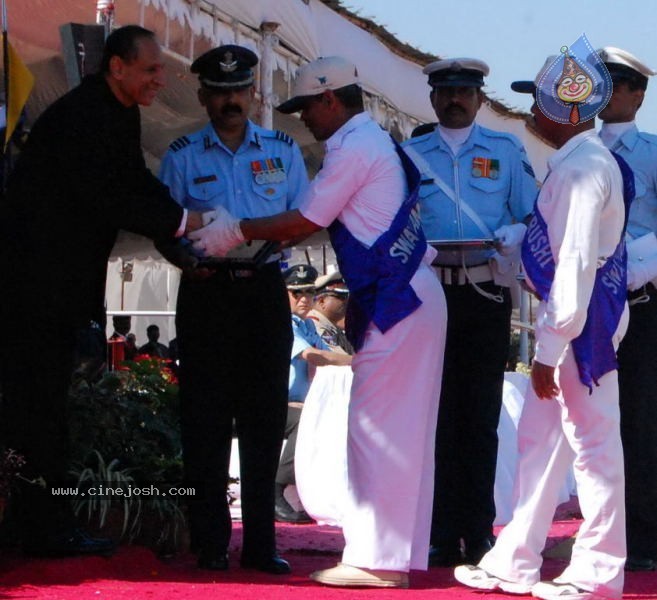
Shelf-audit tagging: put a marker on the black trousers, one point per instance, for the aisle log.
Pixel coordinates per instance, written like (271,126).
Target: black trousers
(36,360)
(476,352)
(235,340)
(637,381)
(285,474)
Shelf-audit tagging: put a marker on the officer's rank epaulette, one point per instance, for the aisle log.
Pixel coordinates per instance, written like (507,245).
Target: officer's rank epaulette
(651,138)
(283,137)
(180,143)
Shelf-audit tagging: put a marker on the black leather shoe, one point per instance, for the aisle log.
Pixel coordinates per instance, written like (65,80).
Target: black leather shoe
(445,556)
(283,511)
(640,563)
(271,564)
(69,543)
(286,514)
(212,561)
(475,550)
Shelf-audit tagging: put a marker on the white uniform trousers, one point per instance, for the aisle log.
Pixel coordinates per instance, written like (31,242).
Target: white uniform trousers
(579,427)
(391,433)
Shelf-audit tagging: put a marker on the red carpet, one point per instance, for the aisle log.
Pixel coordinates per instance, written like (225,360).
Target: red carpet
(135,573)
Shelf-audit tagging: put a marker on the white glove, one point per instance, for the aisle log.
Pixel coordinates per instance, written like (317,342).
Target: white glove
(509,238)
(640,272)
(220,235)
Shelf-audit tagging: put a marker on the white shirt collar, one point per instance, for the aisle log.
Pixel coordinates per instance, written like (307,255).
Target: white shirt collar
(335,141)
(571,145)
(455,138)
(610,133)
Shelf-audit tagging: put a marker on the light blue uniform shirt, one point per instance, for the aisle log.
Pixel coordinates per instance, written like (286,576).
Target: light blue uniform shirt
(265,176)
(640,151)
(491,173)
(305,336)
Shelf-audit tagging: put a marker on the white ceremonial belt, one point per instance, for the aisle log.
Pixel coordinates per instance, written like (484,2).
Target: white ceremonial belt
(458,276)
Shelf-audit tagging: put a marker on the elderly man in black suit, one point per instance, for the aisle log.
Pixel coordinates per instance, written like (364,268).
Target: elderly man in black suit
(80,178)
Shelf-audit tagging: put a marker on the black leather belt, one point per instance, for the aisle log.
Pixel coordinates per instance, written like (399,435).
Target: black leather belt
(453,275)
(237,272)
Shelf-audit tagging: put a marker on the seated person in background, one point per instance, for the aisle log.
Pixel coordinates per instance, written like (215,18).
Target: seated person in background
(117,347)
(121,324)
(328,311)
(308,350)
(130,346)
(153,348)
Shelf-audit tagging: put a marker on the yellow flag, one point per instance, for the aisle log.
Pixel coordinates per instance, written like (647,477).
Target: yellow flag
(21,82)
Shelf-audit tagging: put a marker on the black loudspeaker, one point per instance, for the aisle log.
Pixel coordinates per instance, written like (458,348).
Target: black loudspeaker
(82,49)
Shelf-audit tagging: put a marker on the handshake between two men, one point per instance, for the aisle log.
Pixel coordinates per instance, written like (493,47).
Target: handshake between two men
(220,234)
(209,234)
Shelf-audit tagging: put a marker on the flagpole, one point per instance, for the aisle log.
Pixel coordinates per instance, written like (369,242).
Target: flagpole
(6,155)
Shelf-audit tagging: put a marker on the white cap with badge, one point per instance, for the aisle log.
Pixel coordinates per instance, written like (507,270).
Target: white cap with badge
(325,73)
(616,57)
(456,72)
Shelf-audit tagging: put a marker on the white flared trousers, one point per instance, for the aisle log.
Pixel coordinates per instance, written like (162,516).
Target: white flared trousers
(391,434)
(581,429)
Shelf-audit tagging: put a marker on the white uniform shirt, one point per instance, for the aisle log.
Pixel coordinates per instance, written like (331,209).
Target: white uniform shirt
(361,182)
(582,204)
(455,138)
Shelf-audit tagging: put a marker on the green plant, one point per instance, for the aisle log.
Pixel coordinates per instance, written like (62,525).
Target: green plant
(171,521)
(130,415)
(149,377)
(125,432)
(106,476)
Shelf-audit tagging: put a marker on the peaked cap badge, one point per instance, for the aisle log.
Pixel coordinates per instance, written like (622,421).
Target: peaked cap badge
(228,65)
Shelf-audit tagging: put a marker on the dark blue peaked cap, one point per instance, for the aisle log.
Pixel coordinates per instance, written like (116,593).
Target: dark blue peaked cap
(227,66)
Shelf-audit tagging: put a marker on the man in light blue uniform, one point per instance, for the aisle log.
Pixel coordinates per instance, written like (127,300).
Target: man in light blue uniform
(260,175)
(308,352)
(637,354)
(476,184)
(233,324)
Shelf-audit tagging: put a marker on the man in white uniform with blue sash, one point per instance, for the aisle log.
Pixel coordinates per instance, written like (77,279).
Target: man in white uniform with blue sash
(575,260)
(366,194)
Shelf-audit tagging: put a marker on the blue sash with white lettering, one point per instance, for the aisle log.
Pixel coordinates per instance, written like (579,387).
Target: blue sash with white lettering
(379,277)
(593,348)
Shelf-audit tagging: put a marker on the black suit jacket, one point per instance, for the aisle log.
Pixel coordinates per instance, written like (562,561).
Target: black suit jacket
(80,178)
